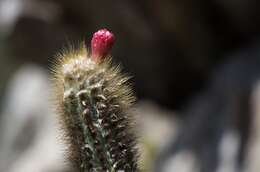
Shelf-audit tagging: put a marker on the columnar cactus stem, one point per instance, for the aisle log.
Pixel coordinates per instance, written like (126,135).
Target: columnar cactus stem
(93,99)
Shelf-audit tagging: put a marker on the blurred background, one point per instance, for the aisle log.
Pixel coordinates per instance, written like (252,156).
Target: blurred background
(195,67)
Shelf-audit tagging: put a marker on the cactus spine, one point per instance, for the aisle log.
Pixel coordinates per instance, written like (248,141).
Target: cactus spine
(92,98)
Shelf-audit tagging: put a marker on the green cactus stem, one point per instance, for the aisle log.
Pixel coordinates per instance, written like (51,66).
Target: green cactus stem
(93,100)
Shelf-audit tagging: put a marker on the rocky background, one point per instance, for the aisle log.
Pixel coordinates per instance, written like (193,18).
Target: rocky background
(195,67)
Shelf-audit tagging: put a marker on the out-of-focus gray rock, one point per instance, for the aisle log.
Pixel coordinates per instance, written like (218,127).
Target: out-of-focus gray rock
(253,156)
(156,126)
(29,136)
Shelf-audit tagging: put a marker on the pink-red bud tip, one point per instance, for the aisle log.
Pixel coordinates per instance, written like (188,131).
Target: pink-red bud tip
(101,44)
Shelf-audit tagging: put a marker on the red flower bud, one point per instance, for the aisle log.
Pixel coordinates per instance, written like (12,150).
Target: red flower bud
(101,44)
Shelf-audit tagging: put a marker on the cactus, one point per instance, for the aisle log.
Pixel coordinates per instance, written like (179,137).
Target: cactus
(93,100)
